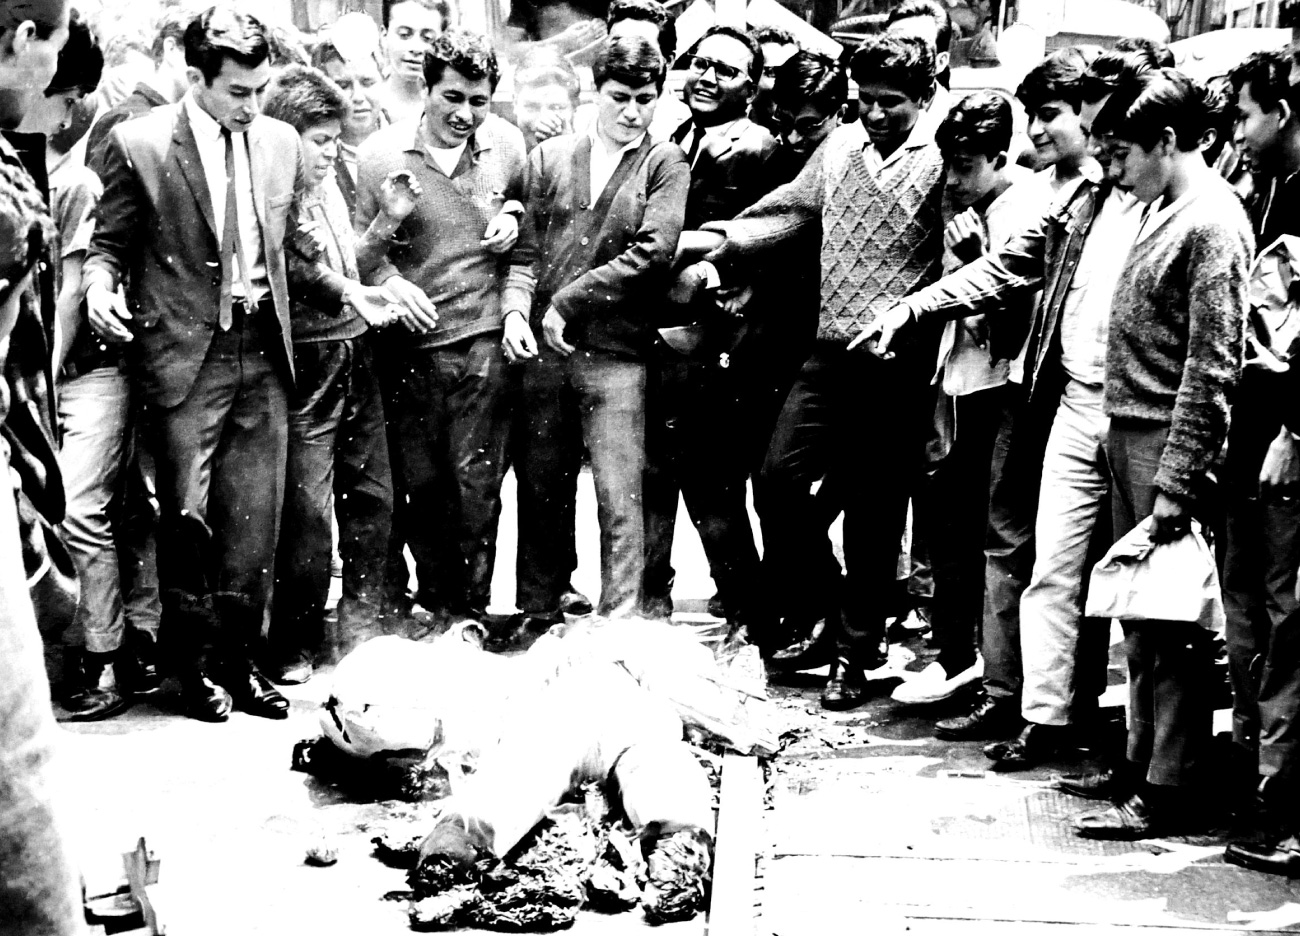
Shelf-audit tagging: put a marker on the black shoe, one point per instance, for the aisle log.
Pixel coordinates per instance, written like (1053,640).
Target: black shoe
(1107,784)
(1036,744)
(575,602)
(846,688)
(813,652)
(138,671)
(97,695)
(253,693)
(295,672)
(993,719)
(715,607)
(1126,822)
(1276,857)
(203,699)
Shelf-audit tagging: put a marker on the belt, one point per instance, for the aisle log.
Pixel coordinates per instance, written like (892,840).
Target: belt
(244,315)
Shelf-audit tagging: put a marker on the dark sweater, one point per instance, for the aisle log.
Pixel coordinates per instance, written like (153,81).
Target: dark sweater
(605,266)
(1177,343)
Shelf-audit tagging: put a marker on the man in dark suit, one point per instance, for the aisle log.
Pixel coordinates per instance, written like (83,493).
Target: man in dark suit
(196,206)
(693,395)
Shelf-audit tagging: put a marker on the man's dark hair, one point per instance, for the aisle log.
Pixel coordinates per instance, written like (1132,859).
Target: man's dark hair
(81,62)
(1160,54)
(1220,115)
(1160,99)
(647,11)
(1110,70)
(46,15)
(745,39)
(558,73)
(441,6)
(220,33)
(765,34)
(325,52)
(631,60)
(468,54)
(807,78)
(171,25)
(303,97)
(1269,77)
(25,225)
(979,123)
(897,61)
(1059,77)
(910,9)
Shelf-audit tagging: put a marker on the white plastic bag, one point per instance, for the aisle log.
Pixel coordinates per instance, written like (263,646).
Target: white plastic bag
(1140,581)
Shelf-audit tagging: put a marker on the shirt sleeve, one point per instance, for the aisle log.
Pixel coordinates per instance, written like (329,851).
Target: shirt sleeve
(74,212)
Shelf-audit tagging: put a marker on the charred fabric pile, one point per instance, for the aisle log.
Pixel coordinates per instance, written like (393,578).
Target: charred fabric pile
(564,776)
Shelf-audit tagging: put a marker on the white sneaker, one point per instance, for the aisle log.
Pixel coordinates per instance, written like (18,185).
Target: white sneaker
(933,685)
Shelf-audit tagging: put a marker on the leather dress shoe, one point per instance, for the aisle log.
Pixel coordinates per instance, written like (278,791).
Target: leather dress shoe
(138,672)
(1122,822)
(253,693)
(96,695)
(1035,744)
(716,608)
(203,699)
(294,673)
(1275,857)
(992,719)
(575,602)
(1102,785)
(813,652)
(846,688)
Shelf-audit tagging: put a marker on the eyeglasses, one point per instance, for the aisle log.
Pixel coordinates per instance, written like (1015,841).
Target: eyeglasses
(806,127)
(699,65)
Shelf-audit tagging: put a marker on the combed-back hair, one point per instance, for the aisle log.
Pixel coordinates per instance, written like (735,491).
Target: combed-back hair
(25,226)
(631,60)
(441,6)
(745,39)
(980,124)
(1059,77)
(647,11)
(897,61)
(1110,70)
(171,25)
(220,33)
(1160,99)
(807,78)
(1269,77)
(909,9)
(765,34)
(81,61)
(304,97)
(469,54)
(1160,54)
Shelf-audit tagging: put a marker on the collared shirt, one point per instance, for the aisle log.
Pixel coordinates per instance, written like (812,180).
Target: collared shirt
(604,163)
(447,158)
(212,153)
(1085,320)
(927,121)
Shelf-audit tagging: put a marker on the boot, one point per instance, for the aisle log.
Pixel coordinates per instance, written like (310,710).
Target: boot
(95,694)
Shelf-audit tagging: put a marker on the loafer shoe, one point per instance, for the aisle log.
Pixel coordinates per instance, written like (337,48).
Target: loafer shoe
(933,684)
(575,602)
(992,719)
(1035,744)
(846,688)
(1280,857)
(204,699)
(255,695)
(1121,822)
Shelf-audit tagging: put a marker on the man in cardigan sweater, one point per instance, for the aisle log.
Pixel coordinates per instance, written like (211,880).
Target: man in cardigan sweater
(875,189)
(607,208)
(448,404)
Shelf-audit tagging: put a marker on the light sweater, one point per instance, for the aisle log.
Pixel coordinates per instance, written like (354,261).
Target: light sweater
(879,242)
(1176,345)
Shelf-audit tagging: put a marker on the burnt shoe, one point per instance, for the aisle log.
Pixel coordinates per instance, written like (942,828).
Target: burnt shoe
(1107,784)
(97,695)
(204,699)
(846,688)
(1271,857)
(991,720)
(253,693)
(1035,745)
(575,602)
(1123,822)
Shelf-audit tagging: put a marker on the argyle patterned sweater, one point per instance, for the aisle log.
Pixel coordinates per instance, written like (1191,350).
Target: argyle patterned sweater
(881,235)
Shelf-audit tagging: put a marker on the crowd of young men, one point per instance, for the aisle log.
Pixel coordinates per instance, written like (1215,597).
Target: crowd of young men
(275,300)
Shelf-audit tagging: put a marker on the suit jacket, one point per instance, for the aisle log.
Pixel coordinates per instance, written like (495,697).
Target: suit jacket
(156,228)
(729,173)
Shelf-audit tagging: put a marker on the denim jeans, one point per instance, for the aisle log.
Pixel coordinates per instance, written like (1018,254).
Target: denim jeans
(602,397)
(452,417)
(94,413)
(1170,663)
(337,464)
(39,892)
(1064,655)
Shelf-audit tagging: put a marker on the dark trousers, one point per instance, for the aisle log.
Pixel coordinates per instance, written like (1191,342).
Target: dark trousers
(1015,470)
(1259,589)
(451,413)
(1170,664)
(337,461)
(956,520)
(220,457)
(696,445)
(852,417)
(599,399)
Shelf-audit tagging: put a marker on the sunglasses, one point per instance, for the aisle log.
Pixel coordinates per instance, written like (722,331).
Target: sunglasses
(699,65)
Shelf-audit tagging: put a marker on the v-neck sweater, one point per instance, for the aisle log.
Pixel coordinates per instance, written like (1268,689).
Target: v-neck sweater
(1176,344)
(605,266)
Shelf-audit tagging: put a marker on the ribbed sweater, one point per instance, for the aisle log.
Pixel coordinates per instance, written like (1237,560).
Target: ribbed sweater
(1176,344)
(880,238)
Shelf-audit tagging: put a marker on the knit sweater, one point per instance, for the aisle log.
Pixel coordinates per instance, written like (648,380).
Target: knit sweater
(438,246)
(1176,342)
(881,237)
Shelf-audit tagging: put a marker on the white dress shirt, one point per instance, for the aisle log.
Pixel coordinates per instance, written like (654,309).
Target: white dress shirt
(604,163)
(212,153)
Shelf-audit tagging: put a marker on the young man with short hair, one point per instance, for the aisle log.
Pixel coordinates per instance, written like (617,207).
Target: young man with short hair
(546,99)
(607,208)
(447,402)
(410,28)
(359,80)
(928,21)
(778,46)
